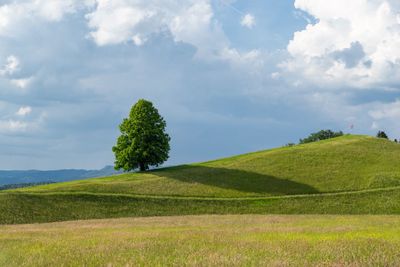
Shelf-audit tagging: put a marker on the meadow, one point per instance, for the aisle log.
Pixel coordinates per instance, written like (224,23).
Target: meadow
(231,240)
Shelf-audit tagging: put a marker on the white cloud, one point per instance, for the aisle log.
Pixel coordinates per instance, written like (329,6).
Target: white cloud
(24,111)
(13,126)
(275,75)
(387,111)
(138,40)
(11,66)
(353,43)
(248,21)
(23,124)
(385,116)
(18,12)
(53,10)
(22,83)
(118,21)
(192,22)
(251,60)
(114,22)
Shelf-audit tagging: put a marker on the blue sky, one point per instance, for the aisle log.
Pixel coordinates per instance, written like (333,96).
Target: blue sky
(228,76)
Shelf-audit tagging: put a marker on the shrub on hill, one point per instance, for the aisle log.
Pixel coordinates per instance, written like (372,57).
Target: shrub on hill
(382,134)
(321,135)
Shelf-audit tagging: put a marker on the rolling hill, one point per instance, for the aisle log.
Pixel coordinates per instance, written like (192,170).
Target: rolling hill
(345,175)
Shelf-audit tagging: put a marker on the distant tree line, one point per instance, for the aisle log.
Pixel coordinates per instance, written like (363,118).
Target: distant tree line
(328,134)
(21,185)
(321,135)
(382,134)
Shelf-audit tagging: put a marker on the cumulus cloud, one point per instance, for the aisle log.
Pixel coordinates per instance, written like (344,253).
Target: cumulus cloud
(387,111)
(13,126)
(11,66)
(23,111)
(114,22)
(23,121)
(22,83)
(17,12)
(248,21)
(55,10)
(192,21)
(352,43)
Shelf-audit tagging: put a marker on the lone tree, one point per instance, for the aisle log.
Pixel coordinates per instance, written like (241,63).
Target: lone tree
(382,134)
(143,141)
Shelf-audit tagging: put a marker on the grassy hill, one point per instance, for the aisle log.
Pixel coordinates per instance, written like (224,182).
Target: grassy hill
(345,175)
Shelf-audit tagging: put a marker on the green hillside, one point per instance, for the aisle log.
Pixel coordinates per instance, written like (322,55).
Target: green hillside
(345,175)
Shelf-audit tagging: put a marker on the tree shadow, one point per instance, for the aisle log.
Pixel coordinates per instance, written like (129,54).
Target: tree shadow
(240,180)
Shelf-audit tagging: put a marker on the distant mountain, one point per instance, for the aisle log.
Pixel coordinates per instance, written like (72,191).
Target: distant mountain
(35,176)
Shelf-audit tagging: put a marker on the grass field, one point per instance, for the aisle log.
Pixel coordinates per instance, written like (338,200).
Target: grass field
(206,241)
(345,175)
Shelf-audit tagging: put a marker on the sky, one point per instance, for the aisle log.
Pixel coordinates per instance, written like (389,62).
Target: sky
(228,76)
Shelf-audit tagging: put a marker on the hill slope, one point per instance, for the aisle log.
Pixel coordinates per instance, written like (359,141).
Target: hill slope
(349,163)
(350,174)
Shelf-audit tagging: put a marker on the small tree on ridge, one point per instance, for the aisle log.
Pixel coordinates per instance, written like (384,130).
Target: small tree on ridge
(382,134)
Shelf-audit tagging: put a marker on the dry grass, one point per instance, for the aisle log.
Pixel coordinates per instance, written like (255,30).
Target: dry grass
(206,241)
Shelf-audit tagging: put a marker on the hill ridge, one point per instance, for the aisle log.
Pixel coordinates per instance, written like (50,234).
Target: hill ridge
(344,175)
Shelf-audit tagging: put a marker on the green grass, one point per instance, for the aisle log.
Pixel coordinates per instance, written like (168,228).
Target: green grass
(206,241)
(39,208)
(345,175)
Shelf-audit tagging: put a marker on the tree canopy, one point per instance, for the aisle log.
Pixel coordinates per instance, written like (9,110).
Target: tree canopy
(143,141)
(382,134)
(321,135)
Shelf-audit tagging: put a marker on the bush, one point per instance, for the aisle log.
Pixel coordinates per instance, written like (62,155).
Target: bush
(321,135)
(382,134)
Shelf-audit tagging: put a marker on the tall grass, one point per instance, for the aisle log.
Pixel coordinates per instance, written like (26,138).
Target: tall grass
(206,241)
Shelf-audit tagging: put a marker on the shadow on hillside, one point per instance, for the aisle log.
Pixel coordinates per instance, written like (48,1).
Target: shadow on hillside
(239,180)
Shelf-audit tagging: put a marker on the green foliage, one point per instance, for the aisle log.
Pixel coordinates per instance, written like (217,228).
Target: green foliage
(143,142)
(321,135)
(382,134)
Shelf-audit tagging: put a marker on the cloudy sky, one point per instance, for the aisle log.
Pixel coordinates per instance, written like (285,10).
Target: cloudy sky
(228,76)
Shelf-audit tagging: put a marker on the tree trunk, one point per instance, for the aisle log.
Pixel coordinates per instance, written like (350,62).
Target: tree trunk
(142,167)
